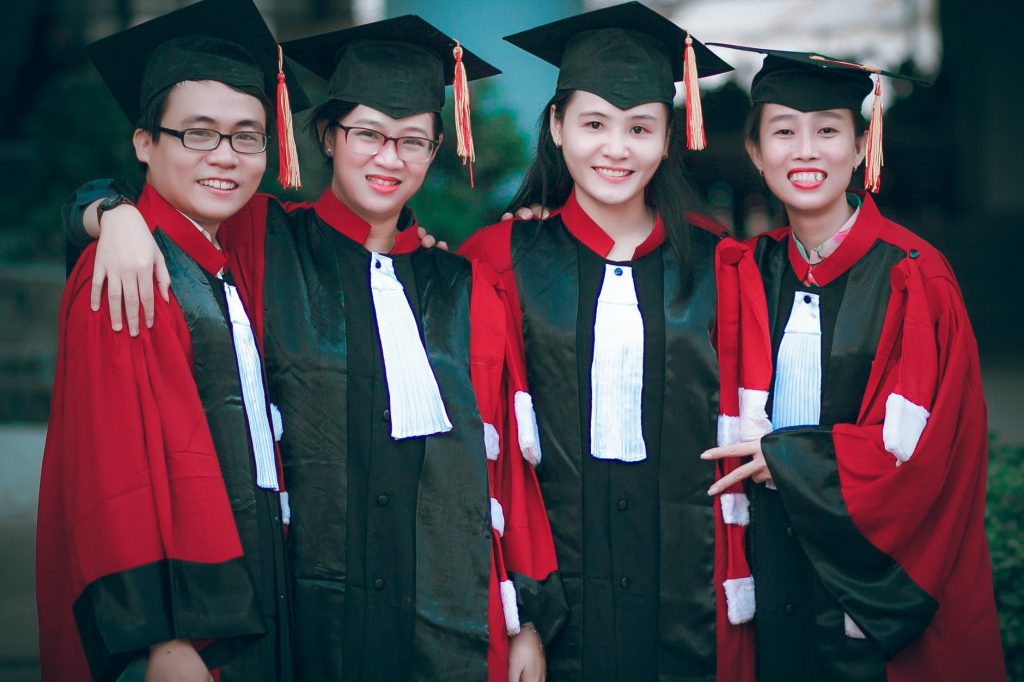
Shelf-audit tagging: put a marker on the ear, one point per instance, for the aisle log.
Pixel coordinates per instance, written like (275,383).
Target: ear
(754,152)
(440,139)
(861,146)
(142,140)
(556,127)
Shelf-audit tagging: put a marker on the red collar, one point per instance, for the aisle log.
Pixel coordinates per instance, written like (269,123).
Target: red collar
(182,231)
(862,236)
(590,234)
(335,213)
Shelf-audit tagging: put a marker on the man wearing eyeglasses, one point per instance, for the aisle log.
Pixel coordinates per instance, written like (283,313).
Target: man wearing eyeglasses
(161,523)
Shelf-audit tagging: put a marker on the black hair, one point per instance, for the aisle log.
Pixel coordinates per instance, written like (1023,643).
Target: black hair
(547,181)
(327,115)
(152,115)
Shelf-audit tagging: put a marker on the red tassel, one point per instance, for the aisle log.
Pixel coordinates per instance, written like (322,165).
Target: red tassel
(873,162)
(463,126)
(694,115)
(288,155)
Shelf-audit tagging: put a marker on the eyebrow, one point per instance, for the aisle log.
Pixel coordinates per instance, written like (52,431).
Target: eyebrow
(404,132)
(201,118)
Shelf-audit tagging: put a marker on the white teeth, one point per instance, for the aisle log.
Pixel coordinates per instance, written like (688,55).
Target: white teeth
(807,177)
(218,184)
(390,182)
(610,172)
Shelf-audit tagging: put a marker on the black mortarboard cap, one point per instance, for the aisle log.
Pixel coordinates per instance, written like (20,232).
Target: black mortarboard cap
(397,66)
(627,54)
(222,40)
(809,81)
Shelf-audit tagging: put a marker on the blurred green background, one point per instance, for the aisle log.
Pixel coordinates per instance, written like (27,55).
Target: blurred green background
(953,174)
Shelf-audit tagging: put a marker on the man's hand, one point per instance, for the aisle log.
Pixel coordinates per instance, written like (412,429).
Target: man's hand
(127,259)
(526,662)
(531,212)
(756,468)
(176,661)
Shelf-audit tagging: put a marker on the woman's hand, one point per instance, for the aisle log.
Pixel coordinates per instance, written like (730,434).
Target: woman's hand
(756,468)
(127,259)
(176,661)
(526,662)
(531,212)
(427,241)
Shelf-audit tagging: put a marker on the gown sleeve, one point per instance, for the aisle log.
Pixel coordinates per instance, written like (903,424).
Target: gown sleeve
(890,509)
(136,540)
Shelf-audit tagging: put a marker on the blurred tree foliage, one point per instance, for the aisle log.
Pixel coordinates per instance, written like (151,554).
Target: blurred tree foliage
(1003,507)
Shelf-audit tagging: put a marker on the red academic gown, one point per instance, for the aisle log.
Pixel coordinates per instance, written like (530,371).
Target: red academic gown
(522,556)
(887,504)
(651,522)
(136,542)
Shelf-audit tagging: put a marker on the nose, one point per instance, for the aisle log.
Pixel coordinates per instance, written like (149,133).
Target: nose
(615,144)
(387,157)
(223,154)
(807,146)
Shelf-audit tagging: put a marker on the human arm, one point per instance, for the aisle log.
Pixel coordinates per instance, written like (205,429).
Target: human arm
(526,659)
(127,256)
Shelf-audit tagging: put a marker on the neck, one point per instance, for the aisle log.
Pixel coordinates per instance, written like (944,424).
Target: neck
(814,228)
(382,229)
(629,223)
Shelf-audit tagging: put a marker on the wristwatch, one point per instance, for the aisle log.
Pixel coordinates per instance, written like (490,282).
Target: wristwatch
(109,203)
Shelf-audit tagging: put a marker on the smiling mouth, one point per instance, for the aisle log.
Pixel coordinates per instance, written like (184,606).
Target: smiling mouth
(803,177)
(219,184)
(384,182)
(613,172)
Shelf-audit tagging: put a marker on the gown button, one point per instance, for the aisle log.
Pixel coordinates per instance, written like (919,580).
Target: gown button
(625,583)
(378,584)
(618,272)
(386,415)
(622,504)
(790,609)
(914,253)
(382,500)
(807,298)
(790,532)
(376,264)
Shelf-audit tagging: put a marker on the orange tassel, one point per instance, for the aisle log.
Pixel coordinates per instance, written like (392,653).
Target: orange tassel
(463,126)
(288,155)
(694,115)
(873,161)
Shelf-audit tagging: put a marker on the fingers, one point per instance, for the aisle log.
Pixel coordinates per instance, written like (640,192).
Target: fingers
(130,293)
(428,241)
(114,301)
(443,245)
(741,449)
(163,278)
(146,299)
(524,213)
(733,477)
(421,232)
(507,215)
(99,274)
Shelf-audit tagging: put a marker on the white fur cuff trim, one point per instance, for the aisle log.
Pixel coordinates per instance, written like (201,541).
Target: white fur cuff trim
(491,446)
(739,597)
(735,509)
(276,422)
(753,418)
(526,418)
(509,606)
(853,631)
(286,511)
(728,430)
(903,426)
(497,517)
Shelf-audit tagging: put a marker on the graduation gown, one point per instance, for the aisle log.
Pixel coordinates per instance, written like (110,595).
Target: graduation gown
(870,560)
(636,542)
(401,550)
(147,495)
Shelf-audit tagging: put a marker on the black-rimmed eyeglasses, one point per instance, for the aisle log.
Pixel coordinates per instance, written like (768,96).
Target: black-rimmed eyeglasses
(369,142)
(206,140)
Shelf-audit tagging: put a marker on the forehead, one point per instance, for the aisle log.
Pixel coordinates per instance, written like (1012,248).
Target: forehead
(773,112)
(583,102)
(364,115)
(212,101)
